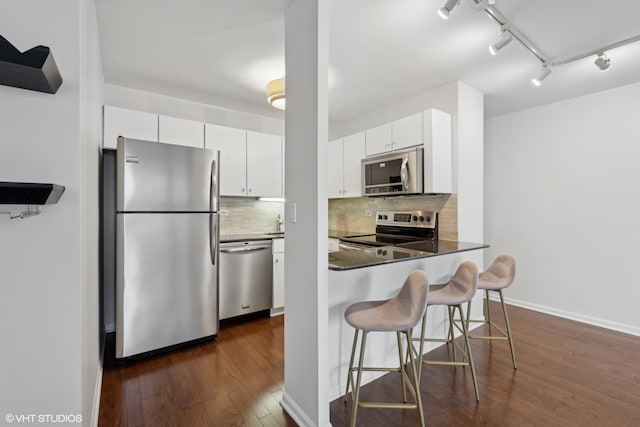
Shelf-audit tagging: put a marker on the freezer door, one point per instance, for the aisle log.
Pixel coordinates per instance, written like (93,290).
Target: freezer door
(154,177)
(166,291)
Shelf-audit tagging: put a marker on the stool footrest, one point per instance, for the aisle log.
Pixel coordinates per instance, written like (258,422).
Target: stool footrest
(388,405)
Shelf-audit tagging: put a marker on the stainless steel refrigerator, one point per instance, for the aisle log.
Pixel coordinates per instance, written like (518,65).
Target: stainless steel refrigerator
(166,245)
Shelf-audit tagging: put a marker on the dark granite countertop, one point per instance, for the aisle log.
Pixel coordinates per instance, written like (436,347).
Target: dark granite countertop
(226,238)
(348,259)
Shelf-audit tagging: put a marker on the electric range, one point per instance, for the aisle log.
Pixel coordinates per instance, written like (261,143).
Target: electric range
(416,230)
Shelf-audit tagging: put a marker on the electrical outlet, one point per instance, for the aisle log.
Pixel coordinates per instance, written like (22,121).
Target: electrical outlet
(368,213)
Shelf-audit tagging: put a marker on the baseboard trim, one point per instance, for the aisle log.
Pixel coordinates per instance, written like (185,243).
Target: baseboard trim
(294,411)
(590,320)
(96,397)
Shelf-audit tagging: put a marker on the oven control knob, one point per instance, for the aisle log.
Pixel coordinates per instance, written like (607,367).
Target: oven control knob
(379,216)
(415,218)
(428,219)
(384,217)
(422,218)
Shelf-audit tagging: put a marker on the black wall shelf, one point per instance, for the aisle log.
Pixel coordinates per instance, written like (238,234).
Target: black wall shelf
(35,69)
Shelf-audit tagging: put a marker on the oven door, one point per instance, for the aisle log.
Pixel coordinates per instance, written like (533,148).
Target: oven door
(394,173)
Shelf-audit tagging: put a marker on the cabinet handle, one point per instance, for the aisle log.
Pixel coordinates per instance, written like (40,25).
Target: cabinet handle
(250,190)
(277,260)
(242,191)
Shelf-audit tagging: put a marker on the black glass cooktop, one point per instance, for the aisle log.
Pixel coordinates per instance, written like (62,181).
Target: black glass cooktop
(381,239)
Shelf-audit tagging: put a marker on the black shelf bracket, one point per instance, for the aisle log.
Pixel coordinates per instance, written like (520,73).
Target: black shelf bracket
(27,193)
(34,69)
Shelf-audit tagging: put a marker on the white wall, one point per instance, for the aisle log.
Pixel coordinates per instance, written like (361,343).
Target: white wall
(306,394)
(48,282)
(561,194)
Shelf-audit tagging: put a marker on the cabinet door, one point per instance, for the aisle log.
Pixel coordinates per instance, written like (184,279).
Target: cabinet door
(278,277)
(353,152)
(172,130)
(437,152)
(128,123)
(378,139)
(407,132)
(264,165)
(232,144)
(335,168)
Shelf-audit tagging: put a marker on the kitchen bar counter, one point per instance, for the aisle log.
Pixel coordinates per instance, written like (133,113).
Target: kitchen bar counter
(243,237)
(348,259)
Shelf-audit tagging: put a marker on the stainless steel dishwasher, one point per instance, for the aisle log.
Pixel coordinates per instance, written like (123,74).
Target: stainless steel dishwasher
(246,277)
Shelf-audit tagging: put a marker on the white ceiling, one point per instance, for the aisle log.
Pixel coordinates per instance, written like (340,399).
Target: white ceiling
(223,52)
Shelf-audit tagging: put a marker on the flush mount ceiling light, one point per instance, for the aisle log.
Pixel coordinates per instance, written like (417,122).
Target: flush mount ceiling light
(544,72)
(602,62)
(447,8)
(505,39)
(276,93)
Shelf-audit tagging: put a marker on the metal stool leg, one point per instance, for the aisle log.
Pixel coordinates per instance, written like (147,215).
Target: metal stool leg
(350,372)
(356,391)
(402,368)
(469,355)
(416,377)
(506,322)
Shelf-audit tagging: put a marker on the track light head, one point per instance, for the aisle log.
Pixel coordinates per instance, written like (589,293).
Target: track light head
(447,8)
(544,72)
(602,62)
(504,40)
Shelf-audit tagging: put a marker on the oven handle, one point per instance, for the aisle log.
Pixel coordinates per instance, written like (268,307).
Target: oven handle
(403,173)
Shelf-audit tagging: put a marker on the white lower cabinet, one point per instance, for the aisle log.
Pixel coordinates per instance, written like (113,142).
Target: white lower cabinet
(278,275)
(334,244)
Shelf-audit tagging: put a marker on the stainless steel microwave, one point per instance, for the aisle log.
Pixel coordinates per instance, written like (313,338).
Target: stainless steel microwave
(394,173)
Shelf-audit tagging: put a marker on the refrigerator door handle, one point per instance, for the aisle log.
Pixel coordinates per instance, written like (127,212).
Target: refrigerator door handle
(213,237)
(214,192)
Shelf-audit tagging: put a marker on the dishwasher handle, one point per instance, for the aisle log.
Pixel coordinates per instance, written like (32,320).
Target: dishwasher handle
(245,249)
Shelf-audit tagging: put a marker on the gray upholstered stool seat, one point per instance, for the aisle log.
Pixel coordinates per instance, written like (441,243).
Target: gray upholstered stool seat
(400,315)
(457,291)
(498,276)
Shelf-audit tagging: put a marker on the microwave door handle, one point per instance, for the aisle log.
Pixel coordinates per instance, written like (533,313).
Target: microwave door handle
(403,173)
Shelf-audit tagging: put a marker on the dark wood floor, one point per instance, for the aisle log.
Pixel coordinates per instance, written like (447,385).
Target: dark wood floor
(235,380)
(569,374)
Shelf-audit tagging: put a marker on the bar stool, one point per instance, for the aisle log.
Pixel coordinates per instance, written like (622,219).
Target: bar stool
(498,276)
(400,315)
(458,290)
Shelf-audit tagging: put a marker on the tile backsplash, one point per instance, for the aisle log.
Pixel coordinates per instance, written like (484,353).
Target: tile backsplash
(248,215)
(349,214)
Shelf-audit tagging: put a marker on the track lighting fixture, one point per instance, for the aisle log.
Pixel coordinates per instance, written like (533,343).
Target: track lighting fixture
(602,62)
(544,72)
(447,8)
(505,39)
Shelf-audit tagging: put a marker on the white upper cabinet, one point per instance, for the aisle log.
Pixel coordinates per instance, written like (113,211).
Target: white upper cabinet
(399,134)
(251,163)
(345,173)
(353,152)
(407,132)
(128,123)
(378,139)
(173,130)
(438,168)
(264,165)
(335,168)
(232,144)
